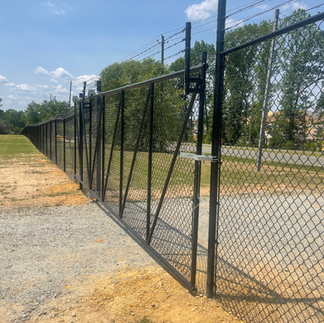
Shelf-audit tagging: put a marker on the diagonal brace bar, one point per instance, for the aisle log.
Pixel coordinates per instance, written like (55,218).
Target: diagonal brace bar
(175,155)
(135,152)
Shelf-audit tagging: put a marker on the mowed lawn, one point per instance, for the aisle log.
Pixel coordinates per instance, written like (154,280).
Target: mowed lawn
(15,146)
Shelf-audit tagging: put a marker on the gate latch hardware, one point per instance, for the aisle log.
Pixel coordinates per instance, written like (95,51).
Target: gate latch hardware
(197,157)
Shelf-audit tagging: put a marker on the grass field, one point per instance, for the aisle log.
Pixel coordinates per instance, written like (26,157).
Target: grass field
(14,146)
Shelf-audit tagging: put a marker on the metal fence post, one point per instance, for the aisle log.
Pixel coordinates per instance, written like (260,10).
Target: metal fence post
(50,137)
(90,140)
(196,198)
(149,171)
(64,153)
(55,140)
(121,166)
(187,57)
(75,139)
(216,149)
(80,145)
(103,106)
(98,170)
(46,139)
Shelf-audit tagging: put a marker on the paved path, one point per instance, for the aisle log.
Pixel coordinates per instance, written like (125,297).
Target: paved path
(270,156)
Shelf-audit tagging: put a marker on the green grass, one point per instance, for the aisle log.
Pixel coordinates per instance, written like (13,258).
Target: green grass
(14,146)
(237,174)
(281,151)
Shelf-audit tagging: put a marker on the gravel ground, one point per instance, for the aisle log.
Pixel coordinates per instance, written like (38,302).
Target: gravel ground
(48,252)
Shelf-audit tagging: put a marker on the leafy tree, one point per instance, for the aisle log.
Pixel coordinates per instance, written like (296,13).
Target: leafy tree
(167,103)
(245,75)
(301,59)
(38,112)
(16,119)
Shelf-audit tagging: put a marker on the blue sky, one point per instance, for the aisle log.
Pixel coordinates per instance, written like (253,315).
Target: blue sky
(45,44)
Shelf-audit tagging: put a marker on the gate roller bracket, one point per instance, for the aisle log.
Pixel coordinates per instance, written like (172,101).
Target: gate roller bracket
(197,157)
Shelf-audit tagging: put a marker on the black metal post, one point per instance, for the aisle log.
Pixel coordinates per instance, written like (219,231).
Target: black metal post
(46,139)
(149,171)
(50,123)
(82,117)
(90,140)
(80,145)
(121,166)
(75,139)
(103,107)
(64,154)
(99,117)
(187,57)
(55,136)
(198,171)
(216,150)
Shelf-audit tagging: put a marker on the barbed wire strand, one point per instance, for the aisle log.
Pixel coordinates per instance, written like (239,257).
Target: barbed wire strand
(259,14)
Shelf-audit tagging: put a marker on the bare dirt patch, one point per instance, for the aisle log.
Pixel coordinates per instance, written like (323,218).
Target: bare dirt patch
(33,180)
(130,294)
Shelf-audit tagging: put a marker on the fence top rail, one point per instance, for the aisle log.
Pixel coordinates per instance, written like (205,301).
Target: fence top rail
(193,69)
(276,33)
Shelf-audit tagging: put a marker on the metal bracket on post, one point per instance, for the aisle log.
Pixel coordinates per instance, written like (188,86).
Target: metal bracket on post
(197,157)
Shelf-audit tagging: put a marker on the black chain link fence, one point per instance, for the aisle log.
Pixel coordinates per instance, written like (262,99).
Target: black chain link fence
(270,255)
(124,148)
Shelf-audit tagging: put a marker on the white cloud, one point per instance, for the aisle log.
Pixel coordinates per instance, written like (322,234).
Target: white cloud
(53,80)
(3,79)
(60,72)
(40,70)
(294,6)
(60,89)
(78,81)
(263,7)
(56,8)
(202,10)
(231,23)
(27,88)
(10,96)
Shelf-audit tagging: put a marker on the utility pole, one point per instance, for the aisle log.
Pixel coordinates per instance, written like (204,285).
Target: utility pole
(266,93)
(162,49)
(70,95)
(50,96)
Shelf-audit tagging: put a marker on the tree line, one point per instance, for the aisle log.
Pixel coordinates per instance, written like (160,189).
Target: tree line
(12,121)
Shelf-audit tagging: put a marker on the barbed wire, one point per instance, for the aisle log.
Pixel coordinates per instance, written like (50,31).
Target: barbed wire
(181,31)
(259,14)
(250,6)
(139,49)
(181,51)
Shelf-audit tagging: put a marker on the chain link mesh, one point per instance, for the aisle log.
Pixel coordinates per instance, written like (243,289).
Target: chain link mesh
(270,265)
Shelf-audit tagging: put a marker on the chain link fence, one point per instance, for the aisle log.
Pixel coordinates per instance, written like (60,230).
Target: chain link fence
(270,264)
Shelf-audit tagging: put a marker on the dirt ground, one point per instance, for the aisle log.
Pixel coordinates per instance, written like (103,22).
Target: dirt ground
(126,295)
(33,180)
